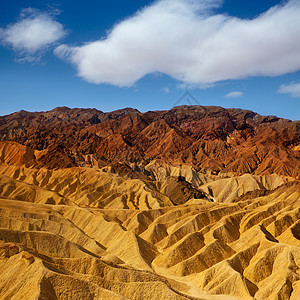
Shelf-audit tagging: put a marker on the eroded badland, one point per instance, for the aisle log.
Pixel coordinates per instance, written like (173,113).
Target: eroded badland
(191,203)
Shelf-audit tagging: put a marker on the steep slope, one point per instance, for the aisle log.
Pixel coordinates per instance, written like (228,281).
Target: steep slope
(230,189)
(15,154)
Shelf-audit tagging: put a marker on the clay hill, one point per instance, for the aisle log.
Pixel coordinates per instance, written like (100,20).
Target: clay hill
(190,203)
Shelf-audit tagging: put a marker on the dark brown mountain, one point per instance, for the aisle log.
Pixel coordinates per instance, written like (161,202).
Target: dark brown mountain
(212,139)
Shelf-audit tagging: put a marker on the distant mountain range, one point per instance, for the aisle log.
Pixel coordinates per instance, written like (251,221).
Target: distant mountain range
(212,139)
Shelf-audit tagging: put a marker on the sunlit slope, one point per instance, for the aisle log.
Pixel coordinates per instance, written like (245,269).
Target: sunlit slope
(103,236)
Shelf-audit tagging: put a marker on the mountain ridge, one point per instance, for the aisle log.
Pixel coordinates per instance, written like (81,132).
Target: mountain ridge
(212,139)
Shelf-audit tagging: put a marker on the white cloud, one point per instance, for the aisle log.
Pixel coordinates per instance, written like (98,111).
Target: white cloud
(166,90)
(32,34)
(234,95)
(187,41)
(293,89)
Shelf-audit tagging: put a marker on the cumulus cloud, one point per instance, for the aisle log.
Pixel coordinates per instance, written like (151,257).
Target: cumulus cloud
(293,89)
(32,34)
(186,40)
(234,95)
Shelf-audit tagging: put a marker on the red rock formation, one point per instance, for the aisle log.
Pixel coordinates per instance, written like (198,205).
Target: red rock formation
(212,139)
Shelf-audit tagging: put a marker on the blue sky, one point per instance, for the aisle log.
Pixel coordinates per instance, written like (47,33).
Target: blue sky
(146,54)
